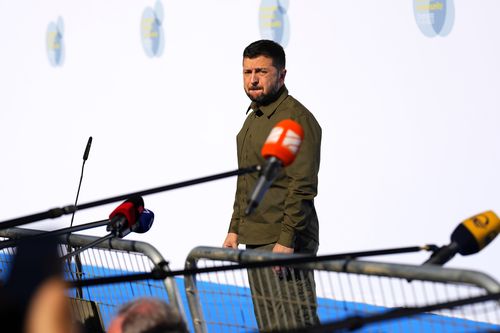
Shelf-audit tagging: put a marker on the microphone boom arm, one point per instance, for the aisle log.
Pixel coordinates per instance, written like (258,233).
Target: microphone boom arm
(57,212)
(88,246)
(12,242)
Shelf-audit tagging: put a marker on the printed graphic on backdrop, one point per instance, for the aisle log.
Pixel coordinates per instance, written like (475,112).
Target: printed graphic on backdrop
(434,17)
(152,35)
(273,21)
(55,42)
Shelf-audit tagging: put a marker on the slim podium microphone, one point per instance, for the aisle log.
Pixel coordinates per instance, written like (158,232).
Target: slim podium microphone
(279,150)
(85,157)
(78,264)
(469,237)
(87,149)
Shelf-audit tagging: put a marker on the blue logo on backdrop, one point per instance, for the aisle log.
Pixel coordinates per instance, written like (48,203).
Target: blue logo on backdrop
(434,17)
(152,35)
(273,21)
(55,42)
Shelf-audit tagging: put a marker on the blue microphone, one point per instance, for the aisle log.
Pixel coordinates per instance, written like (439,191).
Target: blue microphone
(144,222)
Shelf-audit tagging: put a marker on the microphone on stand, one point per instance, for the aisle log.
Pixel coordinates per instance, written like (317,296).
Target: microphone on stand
(145,222)
(469,237)
(125,216)
(279,150)
(78,264)
(123,220)
(87,149)
(85,157)
(142,225)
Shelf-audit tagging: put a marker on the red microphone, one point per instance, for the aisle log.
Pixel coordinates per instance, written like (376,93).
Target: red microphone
(126,215)
(280,149)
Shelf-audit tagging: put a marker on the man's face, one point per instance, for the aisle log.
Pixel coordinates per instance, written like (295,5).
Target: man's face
(261,79)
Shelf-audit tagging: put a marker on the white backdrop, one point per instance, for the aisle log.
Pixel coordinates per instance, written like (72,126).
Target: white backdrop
(410,121)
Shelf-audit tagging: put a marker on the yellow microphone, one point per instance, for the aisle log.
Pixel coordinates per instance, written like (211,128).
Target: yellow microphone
(469,237)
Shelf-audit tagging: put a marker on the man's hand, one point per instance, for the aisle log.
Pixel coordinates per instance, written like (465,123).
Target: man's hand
(231,240)
(278,248)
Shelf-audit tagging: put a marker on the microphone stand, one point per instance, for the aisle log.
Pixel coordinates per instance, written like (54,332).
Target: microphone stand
(115,232)
(13,242)
(57,212)
(78,263)
(88,246)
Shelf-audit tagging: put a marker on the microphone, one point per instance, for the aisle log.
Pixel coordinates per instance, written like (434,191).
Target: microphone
(87,149)
(129,216)
(78,264)
(125,215)
(85,157)
(279,150)
(469,237)
(145,222)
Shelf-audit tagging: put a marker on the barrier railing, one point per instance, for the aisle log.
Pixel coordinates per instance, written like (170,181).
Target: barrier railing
(247,291)
(233,301)
(94,306)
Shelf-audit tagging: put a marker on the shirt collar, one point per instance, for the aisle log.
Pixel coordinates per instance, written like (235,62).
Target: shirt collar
(270,108)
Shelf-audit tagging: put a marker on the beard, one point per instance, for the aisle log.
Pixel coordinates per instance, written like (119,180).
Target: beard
(265,99)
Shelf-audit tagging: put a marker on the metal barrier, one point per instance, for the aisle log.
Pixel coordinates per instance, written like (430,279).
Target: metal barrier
(228,300)
(95,306)
(233,290)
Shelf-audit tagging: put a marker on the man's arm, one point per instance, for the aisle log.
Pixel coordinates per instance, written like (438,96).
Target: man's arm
(302,187)
(231,240)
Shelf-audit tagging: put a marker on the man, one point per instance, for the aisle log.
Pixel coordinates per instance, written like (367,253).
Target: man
(147,315)
(285,221)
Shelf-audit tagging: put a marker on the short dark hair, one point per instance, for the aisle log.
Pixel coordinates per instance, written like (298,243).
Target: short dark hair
(267,48)
(150,315)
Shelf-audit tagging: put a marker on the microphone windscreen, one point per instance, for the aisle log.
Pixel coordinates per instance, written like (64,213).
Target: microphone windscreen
(138,202)
(145,221)
(284,141)
(473,234)
(126,209)
(130,209)
(87,149)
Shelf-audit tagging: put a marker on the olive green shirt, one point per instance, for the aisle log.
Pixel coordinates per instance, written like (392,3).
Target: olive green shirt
(286,214)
